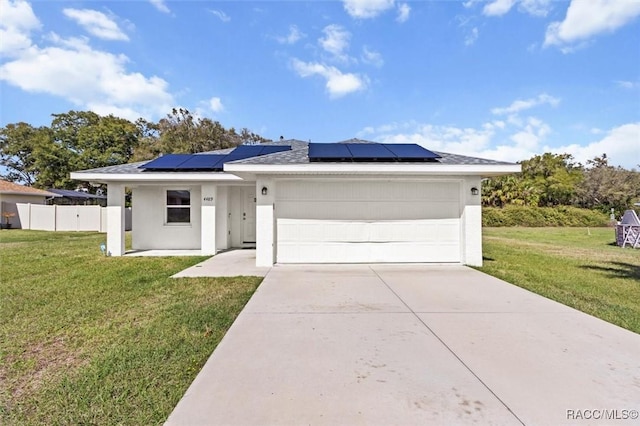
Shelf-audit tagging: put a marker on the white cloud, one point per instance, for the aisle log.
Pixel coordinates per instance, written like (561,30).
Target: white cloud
(220,15)
(470,3)
(160,5)
(366,9)
(371,57)
(498,7)
(215,105)
(501,7)
(587,18)
(403,12)
(630,85)
(17,21)
(524,141)
(471,38)
(513,140)
(530,136)
(96,23)
(620,144)
(535,7)
(439,138)
(338,83)
(475,142)
(521,105)
(73,70)
(293,37)
(335,41)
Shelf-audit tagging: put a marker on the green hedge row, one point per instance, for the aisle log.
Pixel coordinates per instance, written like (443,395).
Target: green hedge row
(542,216)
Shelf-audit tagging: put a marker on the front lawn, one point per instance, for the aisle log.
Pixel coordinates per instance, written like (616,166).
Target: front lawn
(578,267)
(88,339)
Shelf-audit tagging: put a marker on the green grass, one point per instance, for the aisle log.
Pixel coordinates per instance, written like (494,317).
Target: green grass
(581,268)
(88,339)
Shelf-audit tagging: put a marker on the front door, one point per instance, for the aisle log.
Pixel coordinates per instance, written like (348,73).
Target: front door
(249,215)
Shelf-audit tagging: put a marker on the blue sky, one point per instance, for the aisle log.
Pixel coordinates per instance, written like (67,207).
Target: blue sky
(503,79)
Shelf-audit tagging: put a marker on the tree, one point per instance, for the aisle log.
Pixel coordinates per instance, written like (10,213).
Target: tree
(500,191)
(180,132)
(148,141)
(77,140)
(44,157)
(19,145)
(94,141)
(606,187)
(555,176)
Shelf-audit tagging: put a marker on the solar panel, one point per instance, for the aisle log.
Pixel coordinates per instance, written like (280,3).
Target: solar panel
(272,149)
(410,152)
(166,162)
(202,162)
(370,152)
(243,151)
(329,152)
(211,162)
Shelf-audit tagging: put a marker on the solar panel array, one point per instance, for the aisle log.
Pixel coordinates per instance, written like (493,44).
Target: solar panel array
(369,152)
(210,162)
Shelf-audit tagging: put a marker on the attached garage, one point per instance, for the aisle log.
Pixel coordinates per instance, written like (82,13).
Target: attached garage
(366,221)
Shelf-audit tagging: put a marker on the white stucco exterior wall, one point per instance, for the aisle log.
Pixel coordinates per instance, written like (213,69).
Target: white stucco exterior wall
(265,223)
(208,219)
(222,218)
(150,230)
(115,219)
(471,222)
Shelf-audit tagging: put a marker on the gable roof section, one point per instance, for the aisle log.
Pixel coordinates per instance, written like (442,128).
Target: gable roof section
(7,187)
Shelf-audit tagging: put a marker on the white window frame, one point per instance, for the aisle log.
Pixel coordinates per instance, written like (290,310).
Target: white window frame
(168,206)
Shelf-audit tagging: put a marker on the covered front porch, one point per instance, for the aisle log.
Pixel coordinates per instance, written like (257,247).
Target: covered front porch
(190,218)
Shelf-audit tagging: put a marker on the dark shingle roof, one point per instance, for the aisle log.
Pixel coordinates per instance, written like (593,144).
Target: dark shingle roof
(299,154)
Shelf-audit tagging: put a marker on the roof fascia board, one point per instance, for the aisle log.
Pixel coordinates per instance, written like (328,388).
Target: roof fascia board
(375,169)
(31,194)
(155,177)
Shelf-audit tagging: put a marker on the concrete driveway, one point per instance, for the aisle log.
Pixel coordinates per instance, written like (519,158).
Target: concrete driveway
(403,345)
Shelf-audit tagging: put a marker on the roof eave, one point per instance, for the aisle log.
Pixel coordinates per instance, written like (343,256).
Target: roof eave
(154,177)
(31,194)
(483,170)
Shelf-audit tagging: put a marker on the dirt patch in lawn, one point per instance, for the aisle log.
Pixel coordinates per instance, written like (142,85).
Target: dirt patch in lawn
(41,362)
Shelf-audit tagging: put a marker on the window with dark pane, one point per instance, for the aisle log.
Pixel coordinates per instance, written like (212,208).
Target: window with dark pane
(178,206)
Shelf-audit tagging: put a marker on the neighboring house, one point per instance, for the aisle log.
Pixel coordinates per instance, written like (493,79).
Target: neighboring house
(77,198)
(12,193)
(296,202)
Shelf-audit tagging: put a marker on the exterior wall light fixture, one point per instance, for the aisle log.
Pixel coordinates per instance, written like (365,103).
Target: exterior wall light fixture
(474,191)
(264,190)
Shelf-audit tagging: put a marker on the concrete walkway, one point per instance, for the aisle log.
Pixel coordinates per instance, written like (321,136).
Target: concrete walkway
(411,345)
(232,263)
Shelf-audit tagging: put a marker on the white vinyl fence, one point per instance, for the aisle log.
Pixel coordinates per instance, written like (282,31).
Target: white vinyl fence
(66,218)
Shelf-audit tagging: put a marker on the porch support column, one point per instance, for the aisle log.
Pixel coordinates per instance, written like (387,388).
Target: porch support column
(265,223)
(115,219)
(472,223)
(222,218)
(208,220)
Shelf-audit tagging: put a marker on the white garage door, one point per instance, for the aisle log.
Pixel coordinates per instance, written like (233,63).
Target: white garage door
(365,221)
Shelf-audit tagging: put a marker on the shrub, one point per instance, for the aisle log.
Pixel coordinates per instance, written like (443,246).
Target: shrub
(542,216)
